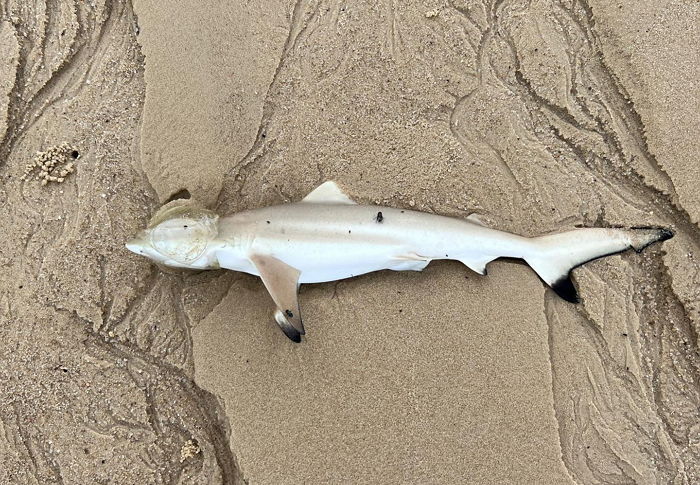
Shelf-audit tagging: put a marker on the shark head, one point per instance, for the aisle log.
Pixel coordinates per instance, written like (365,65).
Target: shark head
(181,234)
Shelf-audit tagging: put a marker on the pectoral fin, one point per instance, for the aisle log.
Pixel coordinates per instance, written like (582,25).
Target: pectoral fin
(282,282)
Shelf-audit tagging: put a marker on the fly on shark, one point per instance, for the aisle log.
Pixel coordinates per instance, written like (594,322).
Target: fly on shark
(327,236)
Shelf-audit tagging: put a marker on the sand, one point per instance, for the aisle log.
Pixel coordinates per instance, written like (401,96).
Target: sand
(538,117)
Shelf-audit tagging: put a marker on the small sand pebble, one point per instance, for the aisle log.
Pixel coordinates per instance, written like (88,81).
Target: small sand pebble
(52,165)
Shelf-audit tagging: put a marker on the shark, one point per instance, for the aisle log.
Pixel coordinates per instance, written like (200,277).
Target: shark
(328,236)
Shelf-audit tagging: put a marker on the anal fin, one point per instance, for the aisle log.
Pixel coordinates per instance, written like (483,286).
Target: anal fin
(477,264)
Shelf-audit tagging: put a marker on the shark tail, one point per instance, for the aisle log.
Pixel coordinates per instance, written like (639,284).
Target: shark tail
(553,256)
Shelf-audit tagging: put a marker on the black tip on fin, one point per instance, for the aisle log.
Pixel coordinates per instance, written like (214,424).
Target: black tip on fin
(662,234)
(565,288)
(291,333)
(665,234)
(286,326)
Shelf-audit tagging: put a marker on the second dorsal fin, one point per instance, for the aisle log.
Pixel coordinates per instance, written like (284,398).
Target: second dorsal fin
(475,218)
(328,193)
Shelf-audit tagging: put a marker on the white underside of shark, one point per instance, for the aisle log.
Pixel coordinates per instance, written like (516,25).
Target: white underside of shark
(327,237)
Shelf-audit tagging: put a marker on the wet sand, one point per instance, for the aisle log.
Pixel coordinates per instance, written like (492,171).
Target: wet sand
(537,117)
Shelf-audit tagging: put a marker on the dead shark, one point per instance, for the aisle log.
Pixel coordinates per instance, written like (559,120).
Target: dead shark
(327,236)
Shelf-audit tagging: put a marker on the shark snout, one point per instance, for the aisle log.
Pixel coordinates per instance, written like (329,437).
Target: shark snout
(665,234)
(136,244)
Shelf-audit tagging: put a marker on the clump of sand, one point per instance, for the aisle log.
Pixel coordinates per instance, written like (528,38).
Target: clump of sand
(52,165)
(190,449)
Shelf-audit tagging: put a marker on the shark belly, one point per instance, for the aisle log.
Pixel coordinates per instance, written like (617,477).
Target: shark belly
(335,257)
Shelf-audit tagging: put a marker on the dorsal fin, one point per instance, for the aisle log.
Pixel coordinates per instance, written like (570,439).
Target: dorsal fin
(328,193)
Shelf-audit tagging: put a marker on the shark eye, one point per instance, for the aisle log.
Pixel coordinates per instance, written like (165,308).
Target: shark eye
(183,239)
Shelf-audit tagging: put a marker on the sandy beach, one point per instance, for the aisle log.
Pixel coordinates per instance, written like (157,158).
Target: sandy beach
(537,116)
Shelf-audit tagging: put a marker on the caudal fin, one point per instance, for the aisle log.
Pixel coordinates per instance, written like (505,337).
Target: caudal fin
(555,255)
